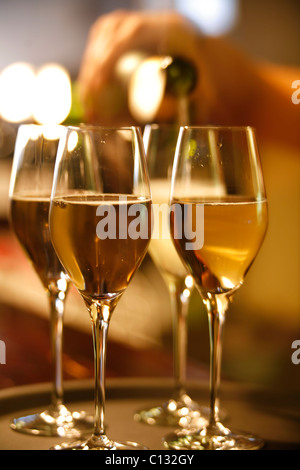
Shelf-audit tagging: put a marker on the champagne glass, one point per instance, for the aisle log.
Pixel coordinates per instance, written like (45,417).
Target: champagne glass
(100,224)
(218,223)
(160,142)
(30,189)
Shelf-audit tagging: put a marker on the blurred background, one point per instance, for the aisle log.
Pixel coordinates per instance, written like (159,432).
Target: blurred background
(42,45)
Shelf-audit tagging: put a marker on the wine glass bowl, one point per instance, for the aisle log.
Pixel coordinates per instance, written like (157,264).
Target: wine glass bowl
(30,189)
(100,225)
(218,223)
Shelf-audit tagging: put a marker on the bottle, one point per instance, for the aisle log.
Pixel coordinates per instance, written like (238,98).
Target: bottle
(158,87)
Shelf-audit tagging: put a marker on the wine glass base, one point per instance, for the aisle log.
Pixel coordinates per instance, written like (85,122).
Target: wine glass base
(220,439)
(100,444)
(182,412)
(47,423)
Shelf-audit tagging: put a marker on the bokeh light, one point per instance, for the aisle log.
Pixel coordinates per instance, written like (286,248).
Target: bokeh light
(53,97)
(17,84)
(43,95)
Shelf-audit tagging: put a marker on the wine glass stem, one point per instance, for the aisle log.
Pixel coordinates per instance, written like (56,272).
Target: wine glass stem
(216,322)
(56,319)
(179,308)
(100,330)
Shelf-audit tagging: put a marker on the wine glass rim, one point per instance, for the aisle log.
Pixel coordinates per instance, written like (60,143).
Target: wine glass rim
(164,124)
(219,127)
(83,127)
(35,131)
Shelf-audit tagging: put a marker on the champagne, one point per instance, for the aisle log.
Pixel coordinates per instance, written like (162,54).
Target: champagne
(29,218)
(233,233)
(99,267)
(161,248)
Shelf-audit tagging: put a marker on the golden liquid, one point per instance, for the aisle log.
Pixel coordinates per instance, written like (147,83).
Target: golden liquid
(99,268)
(161,248)
(233,234)
(29,218)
